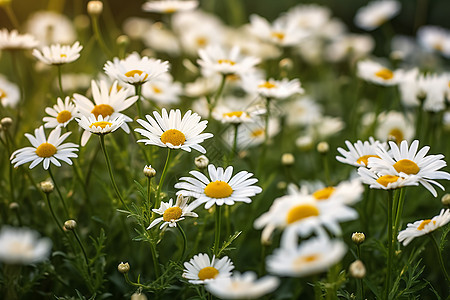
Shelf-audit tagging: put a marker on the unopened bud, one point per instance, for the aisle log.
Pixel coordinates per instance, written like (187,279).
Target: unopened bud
(286,64)
(47,186)
(95,8)
(287,159)
(70,225)
(138,296)
(281,185)
(358,238)
(201,162)
(446,199)
(14,206)
(6,122)
(323,147)
(123,40)
(123,267)
(357,269)
(149,171)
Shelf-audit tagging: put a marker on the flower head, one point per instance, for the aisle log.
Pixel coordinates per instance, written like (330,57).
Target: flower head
(57,54)
(377,73)
(9,93)
(100,125)
(200,269)
(61,114)
(376,13)
(169,6)
(171,214)
(13,40)
(358,153)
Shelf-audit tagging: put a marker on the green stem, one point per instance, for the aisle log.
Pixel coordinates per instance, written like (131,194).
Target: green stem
(139,285)
(398,216)
(111,176)
(161,180)
(233,149)
(266,137)
(98,36)
(137,90)
(58,224)
(441,261)
(59,192)
(217,95)
(60,81)
(155,259)
(84,251)
(149,193)
(12,16)
(184,241)
(217,230)
(326,168)
(390,246)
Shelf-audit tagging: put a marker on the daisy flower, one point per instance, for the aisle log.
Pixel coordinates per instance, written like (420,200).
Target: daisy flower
(358,153)
(394,125)
(237,110)
(252,134)
(201,270)
(171,214)
(9,93)
(172,131)
(313,256)
(61,113)
(274,89)
(220,188)
(434,38)
(376,13)
(57,54)
(135,69)
(423,227)
(302,110)
(23,246)
(169,6)
(99,125)
(242,286)
(377,73)
(215,59)
(50,27)
(14,41)
(407,161)
(162,90)
(385,182)
(45,150)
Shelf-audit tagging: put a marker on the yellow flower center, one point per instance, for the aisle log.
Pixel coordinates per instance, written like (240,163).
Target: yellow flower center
(102,109)
(63,116)
(218,189)
(365,159)
(2,94)
(300,212)
(226,61)
(424,223)
(233,114)
(235,77)
(170,10)
(172,213)
(385,74)
(438,46)
(101,124)
(267,85)
(201,41)
(396,134)
(324,193)
(256,133)
(63,56)
(386,179)
(45,150)
(278,35)
(299,261)
(406,166)
(208,273)
(156,90)
(174,137)
(134,72)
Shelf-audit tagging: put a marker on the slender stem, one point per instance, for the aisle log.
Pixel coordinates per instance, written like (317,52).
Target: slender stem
(127,279)
(441,261)
(266,137)
(390,246)
(161,180)
(398,216)
(217,230)
(59,192)
(184,241)
(233,149)
(82,249)
(326,168)
(155,259)
(12,16)
(137,90)
(111,176)
(217,95)
(98,36)
(58,224)
(149,193)
(60,81)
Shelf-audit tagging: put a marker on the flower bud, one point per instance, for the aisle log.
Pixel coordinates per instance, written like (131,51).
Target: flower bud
(123,40)
(149,171)
(201,162)
(323,147)
(14,206)
(446,199)
(138,296)
(95,8)
(281,185)
(287,159)
(123,267)
(286,64)
(357,269)
(358,238)
(6,122)
(70,225)
(47,187)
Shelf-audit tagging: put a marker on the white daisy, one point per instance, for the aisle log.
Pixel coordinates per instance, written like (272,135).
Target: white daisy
(220,188)
(99,125)
(349,46)
(423,227)
(434,38)
(311,17)
(23,246)
(202,86)
(163,90)
(13,40)
(201,270)
(253,134)
(9,93)
(394,125)
(376,13)
(170,130)
(385,182)
(215,59)
(50,27)
(61,113)
(169,6)
(171,214)
(135,69)
(274,89)
(313,256)
(358,153)
(242,286)
(302,110)
(406,161)
(57,54)
(49,150)
(237,110)
(377,73)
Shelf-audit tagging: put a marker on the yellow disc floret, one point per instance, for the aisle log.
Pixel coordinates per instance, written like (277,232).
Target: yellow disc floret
(365,159)
(102,109)
(278,35)
(424,223)
(324,193)
(406,166)
(174,137)
(233,114)
(134,72)
(101,124)
(267,85)
(396,134)
(208,273)
(172,213)
(63,116)
(45,150)
(300,212)
(386,179)
(2,94)
(385,74)
(305,259)
(218,189)
(226,61)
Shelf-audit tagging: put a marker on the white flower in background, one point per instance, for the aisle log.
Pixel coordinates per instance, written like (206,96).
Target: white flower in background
(99,125)
(349,46)
(407,161)
(51,28)
(57,54)
(279,89)
(376,13)
(173,131)
(136,28)
(325,127)
(358,153)
(385,182)
(302,110)
(220,188)
(237,110)
(215,59)
(200,269)
(313,256)
(45,150)
(161,39)
(309,17)
(253,134)
(169,6)
(250,44)
(74,81)
(23,246)
(61,113)
(173,213)
(434,38)
(202,86)
(162,90)
(409,88)
(9,93)
(242,286)
(135,69)
(394,125)
(15,41)
(423,227)
(377,73)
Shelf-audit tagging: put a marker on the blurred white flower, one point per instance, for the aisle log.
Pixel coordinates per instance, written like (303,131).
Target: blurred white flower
(9,93)
(51,28)
(394,125)
(57,54)
(14,41)
(169,6)
(376,13)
